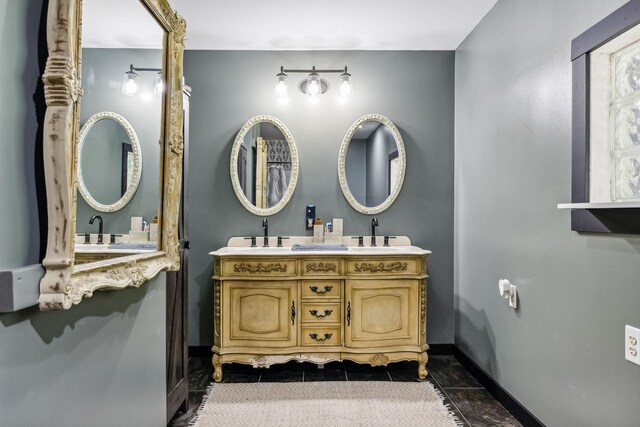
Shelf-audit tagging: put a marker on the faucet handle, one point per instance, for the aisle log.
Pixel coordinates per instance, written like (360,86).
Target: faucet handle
(386,239)
(87,238)
(112,239)
(253,240)
(360,240)
(280,239)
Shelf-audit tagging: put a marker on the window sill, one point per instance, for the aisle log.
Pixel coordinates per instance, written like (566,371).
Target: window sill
(600,205)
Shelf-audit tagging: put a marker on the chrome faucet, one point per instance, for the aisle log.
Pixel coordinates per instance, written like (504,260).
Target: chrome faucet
(265,225)
(100,225)
(374,224)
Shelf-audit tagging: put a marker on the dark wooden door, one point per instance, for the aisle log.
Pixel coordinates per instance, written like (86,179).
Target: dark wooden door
(177,301)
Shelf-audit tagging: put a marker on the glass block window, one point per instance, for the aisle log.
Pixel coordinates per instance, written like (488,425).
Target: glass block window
(625,123)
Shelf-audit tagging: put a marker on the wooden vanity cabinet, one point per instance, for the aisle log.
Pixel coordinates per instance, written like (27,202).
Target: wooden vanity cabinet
(270,310)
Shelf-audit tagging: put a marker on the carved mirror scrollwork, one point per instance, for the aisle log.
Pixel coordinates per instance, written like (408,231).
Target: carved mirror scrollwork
(372,164)
(264,165)
(99,129)
(67,282)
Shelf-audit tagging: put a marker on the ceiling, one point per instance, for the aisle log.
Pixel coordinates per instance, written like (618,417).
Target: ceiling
(296,25)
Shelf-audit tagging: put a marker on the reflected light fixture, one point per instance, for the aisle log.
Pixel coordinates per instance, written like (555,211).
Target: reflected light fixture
(314,85)
(130,82)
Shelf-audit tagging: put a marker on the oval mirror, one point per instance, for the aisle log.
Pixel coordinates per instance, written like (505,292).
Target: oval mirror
(264,165)
(371,164)
(109,162)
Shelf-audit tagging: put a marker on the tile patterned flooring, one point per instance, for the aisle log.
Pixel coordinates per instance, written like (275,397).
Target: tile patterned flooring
(473,405)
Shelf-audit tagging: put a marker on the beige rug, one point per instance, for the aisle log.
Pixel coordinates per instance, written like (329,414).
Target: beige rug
(325,404)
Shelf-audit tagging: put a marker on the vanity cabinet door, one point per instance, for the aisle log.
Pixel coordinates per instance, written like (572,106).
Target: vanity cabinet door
(381,313)
(259,314)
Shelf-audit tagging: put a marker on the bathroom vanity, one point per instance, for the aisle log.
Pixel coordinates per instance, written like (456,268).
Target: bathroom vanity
(275,304)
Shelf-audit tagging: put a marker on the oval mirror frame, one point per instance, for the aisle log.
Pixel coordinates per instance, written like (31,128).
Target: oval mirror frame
(342,173)
(233,167)
(137,162)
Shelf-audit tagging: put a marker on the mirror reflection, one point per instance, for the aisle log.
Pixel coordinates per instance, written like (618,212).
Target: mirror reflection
(372,164)
(107,156)
(264,166)
(109,162)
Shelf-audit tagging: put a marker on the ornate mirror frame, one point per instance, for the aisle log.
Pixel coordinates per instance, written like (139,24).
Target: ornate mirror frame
(342,157)
(137,162)
(65,283)
(235,182)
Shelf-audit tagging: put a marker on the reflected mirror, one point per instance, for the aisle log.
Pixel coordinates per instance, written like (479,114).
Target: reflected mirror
(264,165)
(119,151)
(109,162)
(372,164)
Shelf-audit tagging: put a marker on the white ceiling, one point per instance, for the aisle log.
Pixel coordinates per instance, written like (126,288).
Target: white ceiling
(297,25)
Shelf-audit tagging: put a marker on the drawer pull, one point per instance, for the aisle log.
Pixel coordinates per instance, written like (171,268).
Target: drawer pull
(315,337)
(315,313)
(326,289)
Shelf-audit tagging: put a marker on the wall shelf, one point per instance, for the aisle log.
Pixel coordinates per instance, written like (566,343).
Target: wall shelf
(600,205)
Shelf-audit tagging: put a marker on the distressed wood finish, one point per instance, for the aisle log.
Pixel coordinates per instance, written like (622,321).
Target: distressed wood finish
(65,283)
(373,314)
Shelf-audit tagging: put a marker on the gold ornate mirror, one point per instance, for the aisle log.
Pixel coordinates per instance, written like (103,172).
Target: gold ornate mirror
(125,253)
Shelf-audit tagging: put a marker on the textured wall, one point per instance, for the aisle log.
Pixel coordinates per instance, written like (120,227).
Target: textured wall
(562,353)
(102,74)
(101,363)
(414,89)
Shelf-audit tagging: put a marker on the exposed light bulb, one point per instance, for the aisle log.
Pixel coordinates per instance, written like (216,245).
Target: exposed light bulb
(130,85)
(314,85)
(158,86)
(282,89)
(346,87)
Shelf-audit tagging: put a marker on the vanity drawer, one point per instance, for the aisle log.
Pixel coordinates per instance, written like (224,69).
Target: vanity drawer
(321,312)
(321,289)
(318,335)
(321,267)
(265,267)
(384,266)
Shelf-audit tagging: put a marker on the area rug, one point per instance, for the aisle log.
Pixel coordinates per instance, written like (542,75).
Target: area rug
(325,404)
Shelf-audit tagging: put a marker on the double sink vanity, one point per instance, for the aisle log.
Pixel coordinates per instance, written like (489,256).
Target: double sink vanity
(276,304)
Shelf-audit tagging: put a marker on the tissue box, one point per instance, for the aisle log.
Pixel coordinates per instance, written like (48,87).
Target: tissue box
(138,236)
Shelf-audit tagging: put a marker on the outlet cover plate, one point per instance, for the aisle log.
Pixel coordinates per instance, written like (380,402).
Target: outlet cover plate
(632,344)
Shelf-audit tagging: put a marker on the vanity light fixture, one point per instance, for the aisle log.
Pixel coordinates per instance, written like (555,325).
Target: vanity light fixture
(314,86)
(130,83)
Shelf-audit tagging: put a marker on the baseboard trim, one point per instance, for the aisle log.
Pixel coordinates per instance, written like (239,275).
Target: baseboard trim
(440,349)
(521,413)
(200,351)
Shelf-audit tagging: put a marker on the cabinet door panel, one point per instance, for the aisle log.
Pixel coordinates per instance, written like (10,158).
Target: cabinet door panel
(259,314)
(382,312)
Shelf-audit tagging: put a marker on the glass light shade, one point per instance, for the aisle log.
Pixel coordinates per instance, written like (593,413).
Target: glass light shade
(158,86)
(282,87)
(346,86)
(314,86)
(130,85)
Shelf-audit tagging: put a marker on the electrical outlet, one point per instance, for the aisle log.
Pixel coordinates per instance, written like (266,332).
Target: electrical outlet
(632,344)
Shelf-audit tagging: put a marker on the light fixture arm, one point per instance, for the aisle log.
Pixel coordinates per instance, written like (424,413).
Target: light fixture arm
(313,70)
(134,69)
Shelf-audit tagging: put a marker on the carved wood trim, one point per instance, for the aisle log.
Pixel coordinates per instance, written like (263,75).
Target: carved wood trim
(216,306)
(380,267)
(64,284)
(423,306)
(260,268)
(321,267)
(379,360)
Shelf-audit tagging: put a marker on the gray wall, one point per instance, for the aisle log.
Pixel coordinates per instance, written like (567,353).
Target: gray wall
(379,145)
(102,74)
(414,89)
(562,353)
(103,362)
(355,166)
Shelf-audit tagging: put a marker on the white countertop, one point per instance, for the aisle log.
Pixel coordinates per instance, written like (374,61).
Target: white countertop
(351,251)
(94,248)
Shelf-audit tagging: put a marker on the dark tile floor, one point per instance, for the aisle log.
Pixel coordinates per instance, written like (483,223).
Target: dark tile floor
(473,405)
